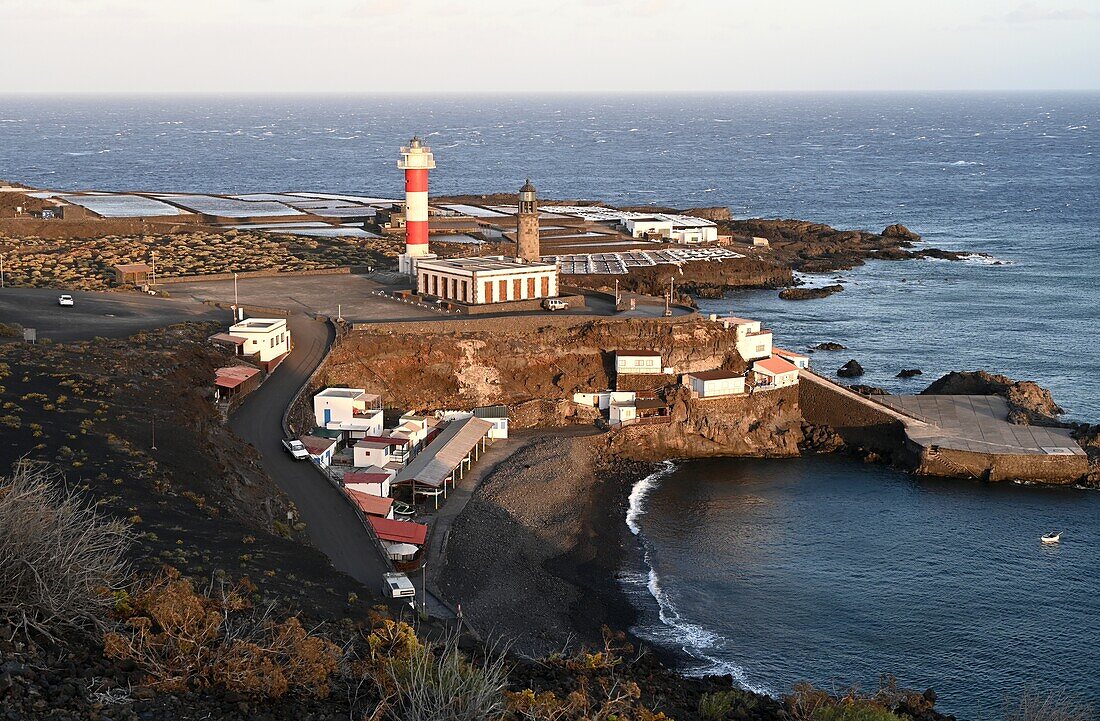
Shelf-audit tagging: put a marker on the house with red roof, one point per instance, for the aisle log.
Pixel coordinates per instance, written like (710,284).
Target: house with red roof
(370,505)
(774,372)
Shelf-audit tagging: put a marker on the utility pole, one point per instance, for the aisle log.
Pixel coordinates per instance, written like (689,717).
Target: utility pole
(1,270)
(154,268)
(235,319)
(154,445)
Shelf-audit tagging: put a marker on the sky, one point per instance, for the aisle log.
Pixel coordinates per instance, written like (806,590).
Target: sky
(387,46)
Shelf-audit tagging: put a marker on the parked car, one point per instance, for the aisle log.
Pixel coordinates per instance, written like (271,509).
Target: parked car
(553,304)
(295,448)
(66,300)
(397,585)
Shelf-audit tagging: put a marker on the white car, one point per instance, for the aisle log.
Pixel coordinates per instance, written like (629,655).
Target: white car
(553,304)
(295,448)
(66,300)
(397,585)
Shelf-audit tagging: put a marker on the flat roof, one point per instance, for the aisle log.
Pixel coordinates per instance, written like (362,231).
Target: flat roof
(133,268)
(442,455)
(377,445)
(788,353)
(256,324)
(484,264)
(635,352)
(775,365)
(351,477)
(735,320)
(316,444)
(226,338)
(715,375)
(352,393)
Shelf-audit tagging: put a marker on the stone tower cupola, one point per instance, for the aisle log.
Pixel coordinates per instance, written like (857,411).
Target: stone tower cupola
(527,224)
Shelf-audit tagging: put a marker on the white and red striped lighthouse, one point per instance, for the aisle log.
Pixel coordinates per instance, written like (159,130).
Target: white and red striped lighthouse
(416,160)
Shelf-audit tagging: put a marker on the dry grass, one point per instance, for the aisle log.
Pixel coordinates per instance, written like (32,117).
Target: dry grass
(1053,706)
(60,558)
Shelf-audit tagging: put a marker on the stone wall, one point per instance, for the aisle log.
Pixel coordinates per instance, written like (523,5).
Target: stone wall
(953,463)
(859,422)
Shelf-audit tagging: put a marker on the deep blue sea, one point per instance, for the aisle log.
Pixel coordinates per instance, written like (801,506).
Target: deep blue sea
(781,570)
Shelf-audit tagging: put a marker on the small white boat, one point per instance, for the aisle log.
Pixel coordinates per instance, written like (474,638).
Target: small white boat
(1051,537)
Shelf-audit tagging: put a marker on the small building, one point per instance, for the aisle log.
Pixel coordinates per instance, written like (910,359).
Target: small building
(650,408)
(604,399)
(497,415)
(620,412)
(321,450)
(235,381)
(774,372)
(638,362)
(483,280)
(683,229)
(370,505)
(798,359)
(132,274)
(759,242)
(372,479)
(401,539)
(373,452)
(268,339)
(715,384)
(753,342)
(351,410)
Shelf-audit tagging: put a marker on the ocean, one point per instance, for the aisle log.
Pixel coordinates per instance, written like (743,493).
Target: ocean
(808,569)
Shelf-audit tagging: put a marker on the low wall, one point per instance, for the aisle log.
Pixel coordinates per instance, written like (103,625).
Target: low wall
(459,324)
(860,422)
(954,463)
(341,270)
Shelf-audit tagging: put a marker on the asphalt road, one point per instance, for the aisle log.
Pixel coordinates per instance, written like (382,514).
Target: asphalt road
(106,315)
(332,524)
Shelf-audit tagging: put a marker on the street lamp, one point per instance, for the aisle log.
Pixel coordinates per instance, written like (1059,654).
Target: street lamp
(234,296)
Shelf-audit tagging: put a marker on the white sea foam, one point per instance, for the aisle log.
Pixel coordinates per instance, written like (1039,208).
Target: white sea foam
(695,640)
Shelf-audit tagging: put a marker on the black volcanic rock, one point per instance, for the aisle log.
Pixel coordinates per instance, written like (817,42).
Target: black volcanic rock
(829,345)
(897,230)
(868,390)
(851,369)
(810,293)
(909,373)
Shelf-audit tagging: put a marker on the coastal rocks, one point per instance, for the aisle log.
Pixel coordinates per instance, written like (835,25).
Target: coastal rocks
(897,230)
(829,345)
(700,278)
(851,369)
(1028,402)
(810,293)
(867,390)
(715,213)
(819,439)
(909,373)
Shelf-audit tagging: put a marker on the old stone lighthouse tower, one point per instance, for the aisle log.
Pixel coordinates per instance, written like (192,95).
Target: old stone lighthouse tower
(527,221)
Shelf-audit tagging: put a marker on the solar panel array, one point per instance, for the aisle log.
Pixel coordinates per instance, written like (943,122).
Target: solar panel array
(620,263)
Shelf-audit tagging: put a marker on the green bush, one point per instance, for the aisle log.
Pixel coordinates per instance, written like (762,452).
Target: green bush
(854,710)
(11,330)
(716,706)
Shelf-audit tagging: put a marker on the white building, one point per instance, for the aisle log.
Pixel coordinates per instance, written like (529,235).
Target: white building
(351,410)
(774,372)
(372,479)
(320,449)
(604,399)
(497,415)
(621,412)
(753,342)
(477,281)
(638,362)
(683,229)
(372,452)
(267,338)
(799,360)
(715,383)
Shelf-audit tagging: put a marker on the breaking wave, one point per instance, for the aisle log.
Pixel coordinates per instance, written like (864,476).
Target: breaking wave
(693,639)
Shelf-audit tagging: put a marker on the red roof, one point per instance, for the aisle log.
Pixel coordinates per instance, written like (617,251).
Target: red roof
(358,477)
(775,365)
(316,444)
(395,531)
(371,505)
(715,375)
(637,352)
(233,376)
(227,338)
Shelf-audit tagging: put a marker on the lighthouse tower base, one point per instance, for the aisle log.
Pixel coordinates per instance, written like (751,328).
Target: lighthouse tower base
(406,262)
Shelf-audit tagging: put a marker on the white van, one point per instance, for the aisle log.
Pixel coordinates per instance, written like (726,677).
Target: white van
(553,304)
(397,585)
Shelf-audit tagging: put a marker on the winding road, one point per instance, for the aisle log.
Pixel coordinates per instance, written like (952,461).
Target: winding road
(332,524)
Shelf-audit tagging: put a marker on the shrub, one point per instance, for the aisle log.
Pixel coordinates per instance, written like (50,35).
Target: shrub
(1054,706)
(61,560)
(11,330)
(437,682)
(186,640)
(716,706)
